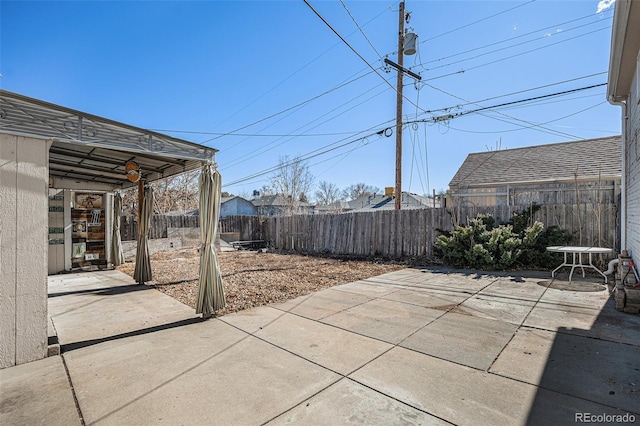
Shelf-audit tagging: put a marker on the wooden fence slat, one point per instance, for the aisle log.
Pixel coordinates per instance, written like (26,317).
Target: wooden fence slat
(387,233)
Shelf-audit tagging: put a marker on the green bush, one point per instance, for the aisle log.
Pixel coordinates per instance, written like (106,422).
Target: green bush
(536,254)
(484,245)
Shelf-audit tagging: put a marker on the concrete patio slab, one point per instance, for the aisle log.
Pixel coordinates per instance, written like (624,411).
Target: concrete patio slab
(606,324)
(246,383)
(436,299)
(252,320)
(322,304)
(110,375)
(118,303)
(552,316)
(468,283)
(515,287)
(508,309)
(368,288)
(348,402)
(464,339)
(385,320)
(147,359)
(37,393)
(573,365)
(587,299)
(338,350)
(477,398)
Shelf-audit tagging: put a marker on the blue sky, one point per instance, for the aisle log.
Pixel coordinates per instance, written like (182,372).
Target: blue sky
(201,70)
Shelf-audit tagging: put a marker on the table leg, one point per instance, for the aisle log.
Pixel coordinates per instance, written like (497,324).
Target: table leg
(599,271)
(572,267)
(563,264)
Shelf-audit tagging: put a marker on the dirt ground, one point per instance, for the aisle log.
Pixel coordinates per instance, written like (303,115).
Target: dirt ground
(254,279)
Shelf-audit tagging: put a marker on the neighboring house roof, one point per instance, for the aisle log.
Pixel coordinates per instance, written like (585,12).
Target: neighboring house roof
(383,202)
(365,201)
(276,201)
(196,212)
(590,158)
(337,206)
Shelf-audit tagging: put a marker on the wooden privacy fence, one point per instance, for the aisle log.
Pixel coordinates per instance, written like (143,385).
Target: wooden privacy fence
(389,233)
(409,233)
(158,225)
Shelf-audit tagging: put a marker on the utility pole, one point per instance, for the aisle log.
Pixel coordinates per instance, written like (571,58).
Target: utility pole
(410,38)
(398,190)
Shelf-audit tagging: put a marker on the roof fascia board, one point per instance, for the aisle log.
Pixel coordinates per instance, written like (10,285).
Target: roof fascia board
(65,183)
(188,154)
(624,47)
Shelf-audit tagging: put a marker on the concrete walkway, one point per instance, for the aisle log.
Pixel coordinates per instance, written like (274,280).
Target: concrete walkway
(417,346)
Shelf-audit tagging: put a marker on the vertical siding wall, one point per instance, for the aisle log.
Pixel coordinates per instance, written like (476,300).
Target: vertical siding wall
(632,158)
(23,249)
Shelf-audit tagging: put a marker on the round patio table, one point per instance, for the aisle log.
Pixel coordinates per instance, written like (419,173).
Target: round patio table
(577,260)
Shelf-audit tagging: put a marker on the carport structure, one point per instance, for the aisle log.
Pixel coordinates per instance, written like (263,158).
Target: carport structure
(45,146)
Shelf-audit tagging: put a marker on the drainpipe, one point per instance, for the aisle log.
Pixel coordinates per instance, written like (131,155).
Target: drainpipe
(623,185)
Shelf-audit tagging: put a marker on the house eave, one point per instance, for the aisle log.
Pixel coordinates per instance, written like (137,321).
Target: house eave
(625,43)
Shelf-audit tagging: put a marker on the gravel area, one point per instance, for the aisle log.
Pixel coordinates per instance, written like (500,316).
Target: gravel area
(253,279)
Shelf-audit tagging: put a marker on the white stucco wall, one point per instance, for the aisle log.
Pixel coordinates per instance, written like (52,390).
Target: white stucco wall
(632,158)
(23,249)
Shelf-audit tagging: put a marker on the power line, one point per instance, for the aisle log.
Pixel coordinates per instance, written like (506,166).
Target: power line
(290,76)
(513,38)
(460,114)
(513,56)
(253,135)
(478,21)
(333,89)
(305,157)
(515,93)
(518,44)
(361,31)
(525,128)
(534,126)
(353,49)
(329,148)
(271,145)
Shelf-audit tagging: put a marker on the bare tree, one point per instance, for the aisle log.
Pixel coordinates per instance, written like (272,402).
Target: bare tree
(327,193)
(292,180)
(179,192)
(359,189)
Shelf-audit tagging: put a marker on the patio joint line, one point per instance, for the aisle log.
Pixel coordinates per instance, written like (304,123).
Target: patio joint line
(302,402)
(443,314)
(519,326)
(73,390)
(175,377)
(580,335)
(289,351)
(400,401)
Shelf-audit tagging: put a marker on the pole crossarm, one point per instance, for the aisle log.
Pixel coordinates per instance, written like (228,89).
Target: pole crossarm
(403,69)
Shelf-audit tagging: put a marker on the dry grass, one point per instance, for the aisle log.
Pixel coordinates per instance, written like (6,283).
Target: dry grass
(254,279)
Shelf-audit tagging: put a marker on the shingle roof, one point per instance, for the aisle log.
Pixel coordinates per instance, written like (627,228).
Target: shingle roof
(558,161)
(275,201)
(383,202)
